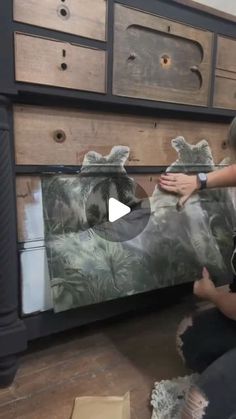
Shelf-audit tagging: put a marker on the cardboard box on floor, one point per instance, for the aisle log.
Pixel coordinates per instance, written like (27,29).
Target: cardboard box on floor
(102,408)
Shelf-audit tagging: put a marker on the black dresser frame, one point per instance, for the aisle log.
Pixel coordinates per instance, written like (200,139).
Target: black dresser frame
(15,330)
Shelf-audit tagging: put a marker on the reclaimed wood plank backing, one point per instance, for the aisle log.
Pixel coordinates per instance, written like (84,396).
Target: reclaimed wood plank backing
(225,76)
(29,208)
(79,17)
(54,63)
(53,136)
(160,59)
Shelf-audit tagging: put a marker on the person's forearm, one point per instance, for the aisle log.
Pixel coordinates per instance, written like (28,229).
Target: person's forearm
(225,302)
(222,177)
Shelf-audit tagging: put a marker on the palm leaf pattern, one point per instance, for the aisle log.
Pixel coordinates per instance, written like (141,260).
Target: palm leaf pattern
(86,269)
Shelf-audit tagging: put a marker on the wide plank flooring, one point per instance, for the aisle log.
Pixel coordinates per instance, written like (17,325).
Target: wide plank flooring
(109,358)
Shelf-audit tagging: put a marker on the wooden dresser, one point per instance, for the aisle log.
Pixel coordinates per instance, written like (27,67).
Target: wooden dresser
(81,75)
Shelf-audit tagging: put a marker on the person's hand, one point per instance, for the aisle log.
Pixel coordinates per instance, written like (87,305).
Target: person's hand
(180,184)
(205,287)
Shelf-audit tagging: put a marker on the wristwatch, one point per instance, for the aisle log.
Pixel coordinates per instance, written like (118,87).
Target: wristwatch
(202,180)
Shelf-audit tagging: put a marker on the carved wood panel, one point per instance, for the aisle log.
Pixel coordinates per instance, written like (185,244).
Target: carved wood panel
(159,59)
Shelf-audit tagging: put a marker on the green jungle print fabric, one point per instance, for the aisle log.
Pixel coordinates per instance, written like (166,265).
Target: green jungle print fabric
(175,245)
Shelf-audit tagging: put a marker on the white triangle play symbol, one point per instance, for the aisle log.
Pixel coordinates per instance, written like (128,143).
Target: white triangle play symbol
(117,210)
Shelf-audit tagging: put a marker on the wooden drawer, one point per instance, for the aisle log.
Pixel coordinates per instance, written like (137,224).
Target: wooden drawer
(79,17)
(159,59)
(52,136)
(225,77)
(226,58)
(50,62)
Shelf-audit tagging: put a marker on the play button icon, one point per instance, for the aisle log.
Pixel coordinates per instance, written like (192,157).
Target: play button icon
(117,210)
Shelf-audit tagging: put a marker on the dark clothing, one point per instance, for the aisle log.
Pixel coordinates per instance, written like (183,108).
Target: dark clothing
(209,347)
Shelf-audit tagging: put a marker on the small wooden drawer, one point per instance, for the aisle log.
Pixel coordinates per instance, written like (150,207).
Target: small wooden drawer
(52,136)
(225,76)
(226,57)
(159,59)
(79,17)
(50,62)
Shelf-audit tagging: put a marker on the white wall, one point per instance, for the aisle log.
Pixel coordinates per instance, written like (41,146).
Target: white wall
(227,6)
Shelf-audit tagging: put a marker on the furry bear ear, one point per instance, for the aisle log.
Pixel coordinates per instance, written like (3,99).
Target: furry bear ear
(203,144)
(118,155)
(205,149)
(177,142)
(92,157)
(179,138)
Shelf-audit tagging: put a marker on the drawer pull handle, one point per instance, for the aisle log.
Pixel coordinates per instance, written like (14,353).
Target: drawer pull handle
(224,144)
(63,12)
(64,66)
(195,69)
(59,136)
(165,60)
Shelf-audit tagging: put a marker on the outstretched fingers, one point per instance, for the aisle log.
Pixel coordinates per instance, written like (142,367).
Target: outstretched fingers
(168,184)
(168,180)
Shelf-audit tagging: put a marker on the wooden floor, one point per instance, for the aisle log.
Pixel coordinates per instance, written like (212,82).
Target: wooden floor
(104,359)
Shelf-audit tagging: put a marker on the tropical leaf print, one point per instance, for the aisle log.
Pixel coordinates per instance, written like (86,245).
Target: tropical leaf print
(172,249)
